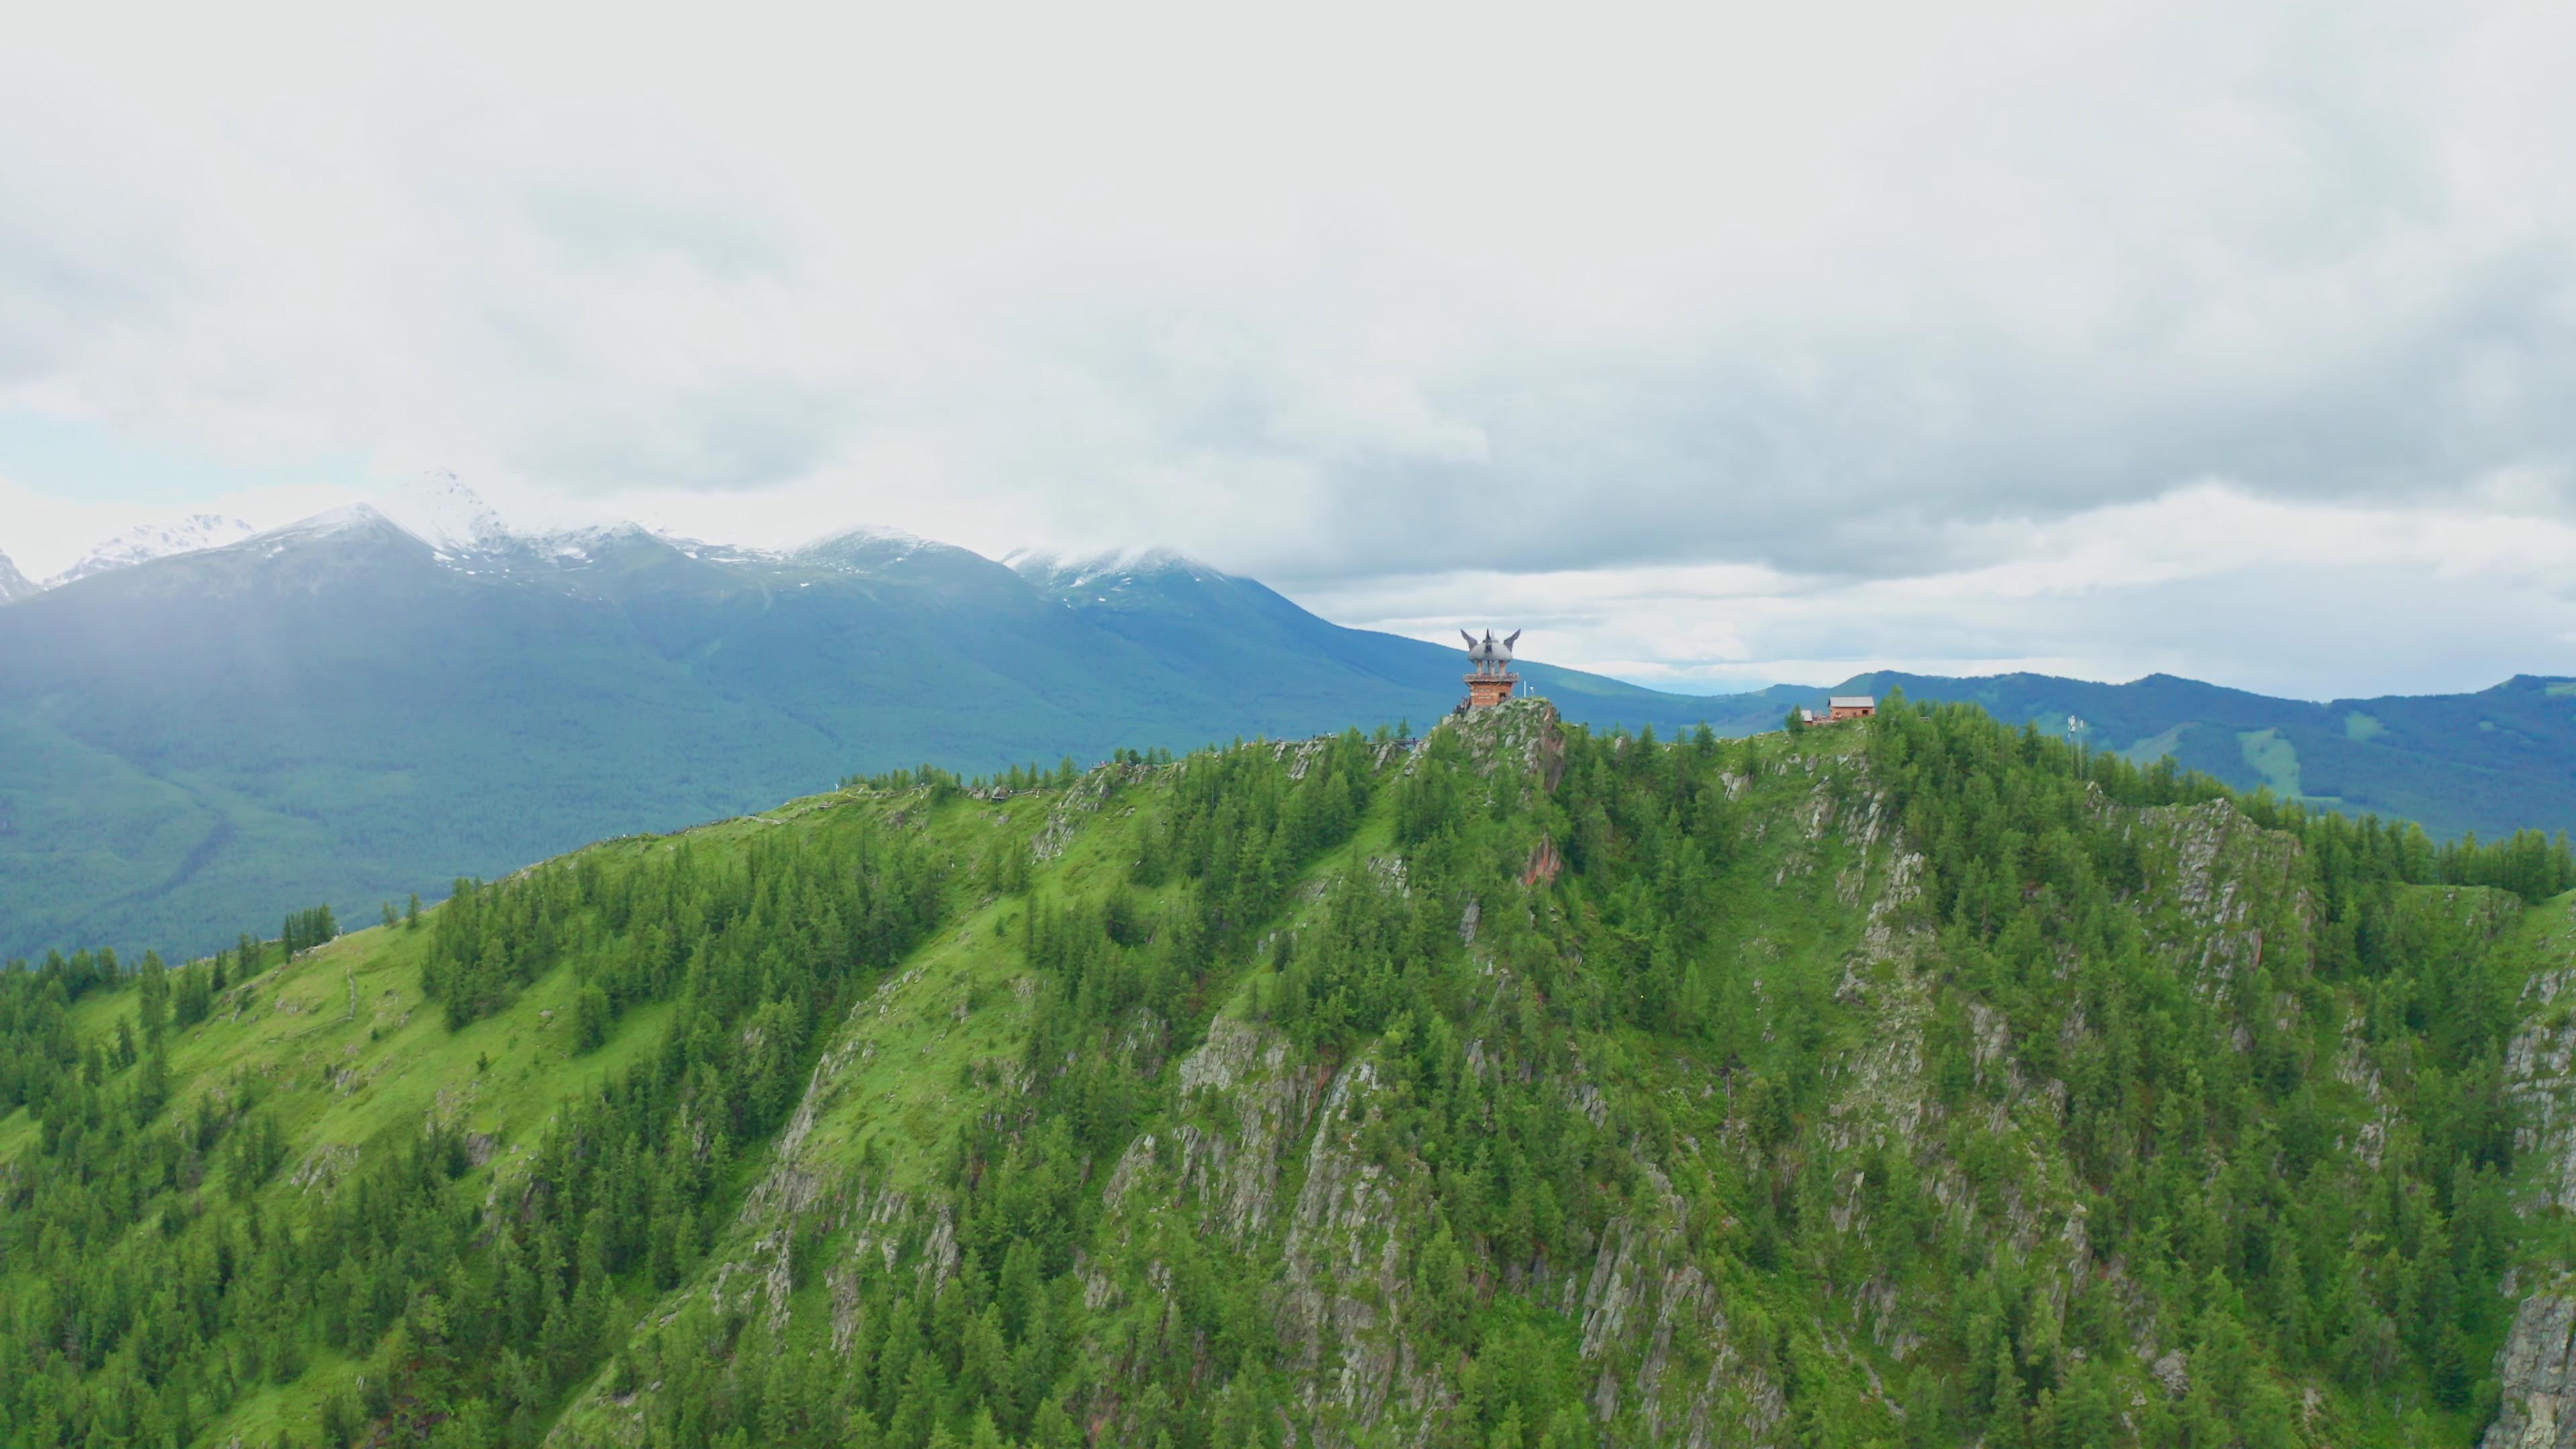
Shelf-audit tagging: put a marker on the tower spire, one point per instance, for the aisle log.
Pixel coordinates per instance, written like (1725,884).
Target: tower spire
(1489,668)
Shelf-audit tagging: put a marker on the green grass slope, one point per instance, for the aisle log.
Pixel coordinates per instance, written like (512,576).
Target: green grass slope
(1914,1083)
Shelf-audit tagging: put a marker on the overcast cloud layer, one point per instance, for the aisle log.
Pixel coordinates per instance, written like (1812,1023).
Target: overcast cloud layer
(1715,347)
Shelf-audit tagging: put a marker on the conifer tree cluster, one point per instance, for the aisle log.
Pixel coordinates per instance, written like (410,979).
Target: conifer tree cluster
(306,929)
(1545,1053)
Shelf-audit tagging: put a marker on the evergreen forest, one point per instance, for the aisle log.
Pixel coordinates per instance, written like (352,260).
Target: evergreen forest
(1915,1081)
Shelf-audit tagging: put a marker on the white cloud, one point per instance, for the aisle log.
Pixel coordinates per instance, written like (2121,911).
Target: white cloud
(1880,303)
(2314,600)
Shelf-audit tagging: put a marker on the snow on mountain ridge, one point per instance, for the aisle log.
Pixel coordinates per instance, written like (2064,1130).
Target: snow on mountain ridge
(870,545)
(147,541)
(463,530)
(871,533)
(445,514)
(1075,571)
(346,518)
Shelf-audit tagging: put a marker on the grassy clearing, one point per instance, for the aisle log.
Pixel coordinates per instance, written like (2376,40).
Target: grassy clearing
(2275,759)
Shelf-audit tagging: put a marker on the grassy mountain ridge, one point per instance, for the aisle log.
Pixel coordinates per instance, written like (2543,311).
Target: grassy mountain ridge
(1908,1083)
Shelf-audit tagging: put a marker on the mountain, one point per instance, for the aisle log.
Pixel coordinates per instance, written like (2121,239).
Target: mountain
(434,507)
(451,518)
(372,702)
(13,584)
(361,708)
(148,541)
(1216,624)
(1519,1088)
(2490,762)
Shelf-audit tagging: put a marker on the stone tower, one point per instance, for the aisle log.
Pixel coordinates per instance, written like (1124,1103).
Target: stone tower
(1489,677)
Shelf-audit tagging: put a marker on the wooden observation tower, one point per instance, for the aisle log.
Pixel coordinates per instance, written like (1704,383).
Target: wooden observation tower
(1489,678)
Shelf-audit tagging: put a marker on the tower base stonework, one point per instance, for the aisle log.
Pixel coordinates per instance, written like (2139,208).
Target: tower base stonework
(1485,689)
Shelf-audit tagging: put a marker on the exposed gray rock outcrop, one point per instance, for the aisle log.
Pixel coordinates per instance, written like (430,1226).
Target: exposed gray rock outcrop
(2538,1369)
(1243,1073)
(2537,1364)
(1341,1312)
(2540,1071)
(1647,1311)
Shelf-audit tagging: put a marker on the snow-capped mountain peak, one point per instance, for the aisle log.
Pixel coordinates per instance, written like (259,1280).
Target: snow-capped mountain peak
(348,518)
(147,541)
(1049,569)
(872,545)
(445,514)
(875,533)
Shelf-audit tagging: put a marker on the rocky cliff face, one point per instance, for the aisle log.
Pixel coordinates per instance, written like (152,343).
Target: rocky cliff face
(2538,1367)
(2538,1361)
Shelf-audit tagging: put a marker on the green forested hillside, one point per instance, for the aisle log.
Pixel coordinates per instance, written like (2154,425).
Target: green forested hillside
(1917,1082)
(2487,763)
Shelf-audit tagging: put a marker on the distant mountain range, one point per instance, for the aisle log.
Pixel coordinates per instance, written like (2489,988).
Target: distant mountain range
(351,709)
(373,701)
(2491,762)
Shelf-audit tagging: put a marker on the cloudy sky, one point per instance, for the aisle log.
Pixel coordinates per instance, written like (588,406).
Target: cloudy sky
(1716,345)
